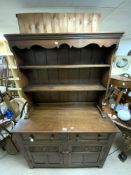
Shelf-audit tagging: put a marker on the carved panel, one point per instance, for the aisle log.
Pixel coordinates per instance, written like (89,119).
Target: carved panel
(55,40)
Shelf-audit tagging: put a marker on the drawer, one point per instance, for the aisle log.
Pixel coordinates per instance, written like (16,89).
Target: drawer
(32,137)
(88,136)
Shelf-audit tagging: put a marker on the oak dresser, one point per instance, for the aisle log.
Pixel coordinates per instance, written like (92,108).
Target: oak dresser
(65,77)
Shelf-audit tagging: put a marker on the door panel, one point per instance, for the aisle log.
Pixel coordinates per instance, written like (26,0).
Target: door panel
(91,157)
(45,156)
(84,155)
(39,157)
(83,158)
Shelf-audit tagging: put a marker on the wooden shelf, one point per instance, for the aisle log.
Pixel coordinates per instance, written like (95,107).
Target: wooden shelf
(81,87)
(64,66)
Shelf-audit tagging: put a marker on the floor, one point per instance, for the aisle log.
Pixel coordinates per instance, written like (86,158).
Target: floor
(16,165)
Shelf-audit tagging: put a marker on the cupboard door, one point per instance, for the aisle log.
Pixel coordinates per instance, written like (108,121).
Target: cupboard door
(84,155)
(45,155)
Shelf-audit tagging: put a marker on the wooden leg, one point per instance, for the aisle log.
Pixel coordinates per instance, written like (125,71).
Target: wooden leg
(11,147)
(3,146)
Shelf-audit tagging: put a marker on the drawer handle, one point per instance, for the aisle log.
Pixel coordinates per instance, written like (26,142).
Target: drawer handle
(99,136)
(31,139)
(52,137)
(77,137)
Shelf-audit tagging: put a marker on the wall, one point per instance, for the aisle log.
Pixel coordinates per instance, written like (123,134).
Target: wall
(124,47)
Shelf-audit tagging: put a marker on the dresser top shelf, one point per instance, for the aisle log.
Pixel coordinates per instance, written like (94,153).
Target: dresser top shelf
(65,117)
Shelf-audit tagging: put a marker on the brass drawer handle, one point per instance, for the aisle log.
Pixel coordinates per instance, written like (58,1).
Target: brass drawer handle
(31,138)
(52,137)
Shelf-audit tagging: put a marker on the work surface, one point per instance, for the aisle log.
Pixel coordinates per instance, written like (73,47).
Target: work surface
(64,117)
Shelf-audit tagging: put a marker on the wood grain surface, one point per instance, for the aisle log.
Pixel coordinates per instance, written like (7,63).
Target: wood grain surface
(72,117)
(58,22)
(82,87)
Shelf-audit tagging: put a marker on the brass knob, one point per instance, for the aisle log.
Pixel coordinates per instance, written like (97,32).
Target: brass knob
(52,137)
(31,139)
(123,84)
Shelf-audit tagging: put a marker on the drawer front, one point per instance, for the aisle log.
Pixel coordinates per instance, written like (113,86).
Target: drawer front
(34,137)
(89,136)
